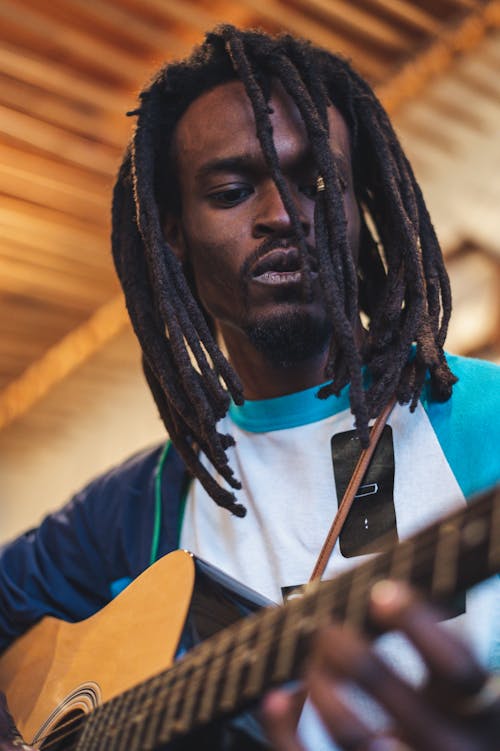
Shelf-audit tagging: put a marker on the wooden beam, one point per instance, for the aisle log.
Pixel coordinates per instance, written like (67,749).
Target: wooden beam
(409,13)
(41,189)
(185,13)
(439,56)
(60,360)
(48,75)
(58,142)
(359,22)
(38,30)
(69,235)
(118,22)
(72,116)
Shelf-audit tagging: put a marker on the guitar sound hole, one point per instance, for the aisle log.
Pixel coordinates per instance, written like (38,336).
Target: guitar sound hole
(64,734)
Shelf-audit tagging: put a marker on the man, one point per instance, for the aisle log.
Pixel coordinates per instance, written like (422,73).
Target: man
(265,201)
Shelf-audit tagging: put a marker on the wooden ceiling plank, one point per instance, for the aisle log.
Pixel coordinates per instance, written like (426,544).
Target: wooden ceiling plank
(410,13)
(55,278)
(61,359)
(75,119)
(410,80)
(45,192)
(76,297)
(85,184)
(43,245)
(25,65)
(13,212)
(118,20)
(81,266)
(280,15)
(63,38)
(360,22)
(58,142)
(186,13)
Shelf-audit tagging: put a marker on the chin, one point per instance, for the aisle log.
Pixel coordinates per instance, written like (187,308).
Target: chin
(290,337)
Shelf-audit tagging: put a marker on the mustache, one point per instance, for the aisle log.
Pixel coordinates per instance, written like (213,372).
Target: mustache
(271,243)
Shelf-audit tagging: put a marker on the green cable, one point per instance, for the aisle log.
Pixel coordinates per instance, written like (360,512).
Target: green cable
(157,524)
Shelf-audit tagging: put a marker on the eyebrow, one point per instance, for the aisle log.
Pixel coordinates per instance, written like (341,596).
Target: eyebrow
(246,162)
(240,163)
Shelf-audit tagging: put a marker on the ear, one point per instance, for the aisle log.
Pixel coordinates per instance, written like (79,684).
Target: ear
(173,234)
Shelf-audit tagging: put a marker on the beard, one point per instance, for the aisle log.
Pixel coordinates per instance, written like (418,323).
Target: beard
(290,337)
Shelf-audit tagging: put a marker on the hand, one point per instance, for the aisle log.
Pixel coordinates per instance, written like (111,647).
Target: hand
(10,740)
(458,708)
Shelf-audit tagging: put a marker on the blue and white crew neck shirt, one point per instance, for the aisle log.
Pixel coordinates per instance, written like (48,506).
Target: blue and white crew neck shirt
(443,452)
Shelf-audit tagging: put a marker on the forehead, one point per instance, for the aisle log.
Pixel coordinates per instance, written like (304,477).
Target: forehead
(221,123)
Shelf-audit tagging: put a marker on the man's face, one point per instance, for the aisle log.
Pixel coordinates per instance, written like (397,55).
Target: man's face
(233,230)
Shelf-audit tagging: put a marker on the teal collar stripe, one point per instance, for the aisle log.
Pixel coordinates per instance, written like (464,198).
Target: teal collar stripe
(289,411)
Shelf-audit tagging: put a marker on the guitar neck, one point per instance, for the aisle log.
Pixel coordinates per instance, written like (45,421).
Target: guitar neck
(233,669)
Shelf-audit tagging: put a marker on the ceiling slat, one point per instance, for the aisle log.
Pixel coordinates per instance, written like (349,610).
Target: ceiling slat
(61,359)
(62,39)
(59,143)
(50,75)
(346,15)
(409,13)
(62,113)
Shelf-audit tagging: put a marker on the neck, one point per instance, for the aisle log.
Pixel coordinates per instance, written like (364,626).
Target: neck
(263,379)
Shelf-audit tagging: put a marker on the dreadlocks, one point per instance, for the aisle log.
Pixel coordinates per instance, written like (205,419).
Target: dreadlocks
(400,282)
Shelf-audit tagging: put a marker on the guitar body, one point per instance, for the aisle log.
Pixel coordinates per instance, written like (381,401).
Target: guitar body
(58,669)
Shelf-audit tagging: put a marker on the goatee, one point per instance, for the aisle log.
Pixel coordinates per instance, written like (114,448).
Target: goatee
(290,338)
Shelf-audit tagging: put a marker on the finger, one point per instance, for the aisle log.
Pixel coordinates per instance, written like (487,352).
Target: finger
(343,654)
(279,718)
(395,606)
(347,728)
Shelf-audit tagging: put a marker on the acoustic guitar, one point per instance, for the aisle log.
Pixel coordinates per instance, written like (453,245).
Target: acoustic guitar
(131,677)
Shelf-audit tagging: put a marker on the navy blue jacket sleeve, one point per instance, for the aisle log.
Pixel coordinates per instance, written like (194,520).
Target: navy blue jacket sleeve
(65,567)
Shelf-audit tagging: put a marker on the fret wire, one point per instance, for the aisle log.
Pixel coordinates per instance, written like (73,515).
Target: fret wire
(111,710)
(135,721)
(296,624)
(199,668)
(213,675)
(165,730)
(244,653)
(159,698)
(263,645)
(401,563)
(122,728)
(445,560)
(357,604)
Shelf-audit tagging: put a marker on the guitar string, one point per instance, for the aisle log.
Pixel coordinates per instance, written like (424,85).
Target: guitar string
(342,585)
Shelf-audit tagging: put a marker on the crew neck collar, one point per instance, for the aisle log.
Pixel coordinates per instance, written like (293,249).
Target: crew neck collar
(289,411)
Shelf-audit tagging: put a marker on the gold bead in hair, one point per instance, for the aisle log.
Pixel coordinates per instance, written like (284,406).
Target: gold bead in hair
(320,184)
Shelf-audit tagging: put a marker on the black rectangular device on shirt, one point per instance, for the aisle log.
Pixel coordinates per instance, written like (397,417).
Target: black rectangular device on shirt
(372,513)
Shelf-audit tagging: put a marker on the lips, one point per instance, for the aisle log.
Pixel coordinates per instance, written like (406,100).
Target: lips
(281,265)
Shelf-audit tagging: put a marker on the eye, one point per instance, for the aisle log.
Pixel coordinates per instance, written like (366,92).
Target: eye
(231,196)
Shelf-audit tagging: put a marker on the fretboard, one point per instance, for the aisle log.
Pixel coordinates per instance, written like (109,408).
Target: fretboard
(233,669)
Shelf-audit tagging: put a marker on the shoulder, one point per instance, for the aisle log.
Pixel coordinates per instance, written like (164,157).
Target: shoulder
(467,425)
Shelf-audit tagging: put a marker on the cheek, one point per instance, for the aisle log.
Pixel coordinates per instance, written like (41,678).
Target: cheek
(215,267)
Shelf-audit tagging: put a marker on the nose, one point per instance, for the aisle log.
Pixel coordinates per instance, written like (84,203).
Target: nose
(272,218)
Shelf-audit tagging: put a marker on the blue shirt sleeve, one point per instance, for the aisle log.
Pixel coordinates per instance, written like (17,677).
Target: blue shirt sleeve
(66,567)
(467,425)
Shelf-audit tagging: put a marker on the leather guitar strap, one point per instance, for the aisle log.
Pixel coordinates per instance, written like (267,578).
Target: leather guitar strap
(351,490)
